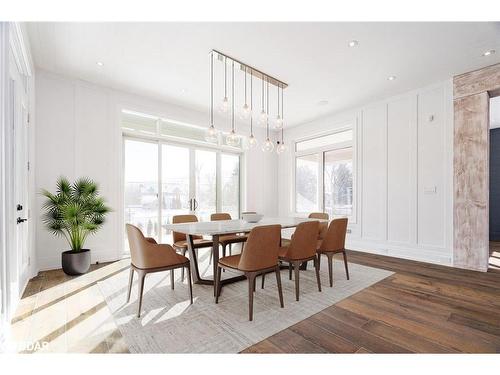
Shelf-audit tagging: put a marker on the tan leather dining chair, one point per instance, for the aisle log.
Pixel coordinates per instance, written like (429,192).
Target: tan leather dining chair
(180,241)
(302,248)
(147,256)
(228,239)
(334,243)
(323,226)
(260,255)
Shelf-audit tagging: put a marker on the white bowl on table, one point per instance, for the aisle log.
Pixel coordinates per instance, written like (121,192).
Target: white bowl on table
(252,218)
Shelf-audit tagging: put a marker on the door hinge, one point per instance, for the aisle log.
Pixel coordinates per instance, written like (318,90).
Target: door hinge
(29,261)
(28,120)
(28,166)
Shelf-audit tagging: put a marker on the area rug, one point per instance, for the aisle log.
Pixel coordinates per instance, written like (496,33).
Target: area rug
(169,324)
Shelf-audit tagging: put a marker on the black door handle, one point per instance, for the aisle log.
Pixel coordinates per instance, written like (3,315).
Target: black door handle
(19,220)
(195,204)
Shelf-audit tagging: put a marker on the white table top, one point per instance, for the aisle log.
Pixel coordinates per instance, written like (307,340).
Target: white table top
(211,228)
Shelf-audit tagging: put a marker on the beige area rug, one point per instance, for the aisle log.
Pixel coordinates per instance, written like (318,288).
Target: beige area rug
(169,324)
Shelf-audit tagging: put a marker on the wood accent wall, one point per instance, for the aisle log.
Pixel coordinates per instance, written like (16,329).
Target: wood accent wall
(471,94)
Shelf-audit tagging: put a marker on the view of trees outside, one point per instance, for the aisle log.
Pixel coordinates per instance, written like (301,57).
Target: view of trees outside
(306,183)
(141,186)
(338,182)
(230,179)
(206,183)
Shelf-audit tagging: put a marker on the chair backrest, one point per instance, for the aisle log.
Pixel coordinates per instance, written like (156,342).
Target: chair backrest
(335,236)
(323,227)
(220,216)
(304,241)
(144,252)
(261,249)
(319,215)
(179,219)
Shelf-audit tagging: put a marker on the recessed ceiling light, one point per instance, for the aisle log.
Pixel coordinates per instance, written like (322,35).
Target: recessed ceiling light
(184,91)
(489,52)
(323,102)
(391,78)
(353,43)
(99,63)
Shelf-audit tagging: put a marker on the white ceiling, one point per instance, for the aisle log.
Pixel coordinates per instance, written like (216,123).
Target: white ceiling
(169,61)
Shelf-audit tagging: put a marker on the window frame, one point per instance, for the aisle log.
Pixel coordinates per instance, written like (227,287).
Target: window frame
(320,151)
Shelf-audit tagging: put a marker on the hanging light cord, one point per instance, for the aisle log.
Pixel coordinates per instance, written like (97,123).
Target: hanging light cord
(282,118)
(232,97)
(212,89)
(278,100)
(225,77)
(245,85)
(267,109)
(251,102)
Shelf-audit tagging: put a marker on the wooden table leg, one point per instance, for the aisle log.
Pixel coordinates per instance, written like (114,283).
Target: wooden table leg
(195,271)
(215,252)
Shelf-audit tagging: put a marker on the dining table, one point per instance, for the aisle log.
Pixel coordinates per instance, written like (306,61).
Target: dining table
(215,229)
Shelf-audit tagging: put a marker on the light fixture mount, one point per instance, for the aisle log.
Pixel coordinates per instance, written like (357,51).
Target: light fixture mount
(222,57)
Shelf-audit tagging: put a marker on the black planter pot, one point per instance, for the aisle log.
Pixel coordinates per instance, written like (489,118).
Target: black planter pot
(76,262)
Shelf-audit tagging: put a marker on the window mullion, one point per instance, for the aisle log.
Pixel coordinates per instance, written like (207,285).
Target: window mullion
(321,190)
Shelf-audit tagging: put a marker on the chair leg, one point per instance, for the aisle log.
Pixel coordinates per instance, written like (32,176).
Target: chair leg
(251,285)
(316,265)
(130,282)
(172,279)
(230,249)
(330,267)
(290,271)
(190,283)
(255,283)
(142,275)
(183,251)
(223,255)
(296,266)
(263,280)
(218,284)
(345,264)
(278,281)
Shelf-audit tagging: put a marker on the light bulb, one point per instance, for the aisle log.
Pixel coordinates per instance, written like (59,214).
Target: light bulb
(224,106)
(252,141)
(232,139)
(279,122)
(245,112)
(268,146)
(263,116)
(211,135)
(281,148)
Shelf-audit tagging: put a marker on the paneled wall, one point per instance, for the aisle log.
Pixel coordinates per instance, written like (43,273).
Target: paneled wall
(403,149)
(78,134)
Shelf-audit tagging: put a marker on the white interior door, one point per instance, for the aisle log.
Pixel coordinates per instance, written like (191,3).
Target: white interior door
(20,123)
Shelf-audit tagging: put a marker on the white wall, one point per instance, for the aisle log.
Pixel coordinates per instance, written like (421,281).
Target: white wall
(403,184)
(78,134)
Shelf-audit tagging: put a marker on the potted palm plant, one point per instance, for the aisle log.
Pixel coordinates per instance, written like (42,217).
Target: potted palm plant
(74,212)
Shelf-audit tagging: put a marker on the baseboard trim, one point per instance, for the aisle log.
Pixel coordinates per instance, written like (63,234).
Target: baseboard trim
(442,257)
(53,263)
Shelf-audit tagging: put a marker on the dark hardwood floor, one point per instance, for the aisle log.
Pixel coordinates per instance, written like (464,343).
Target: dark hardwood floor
(422,308)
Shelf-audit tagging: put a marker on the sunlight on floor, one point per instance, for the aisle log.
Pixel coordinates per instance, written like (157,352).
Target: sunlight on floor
(59,313)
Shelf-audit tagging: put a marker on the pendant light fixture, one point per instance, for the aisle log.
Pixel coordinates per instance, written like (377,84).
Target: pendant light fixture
(268,145)
(279,120)
(211,133)
(224,107)
(245,111)
(232,139)
(252,141)
(263,114)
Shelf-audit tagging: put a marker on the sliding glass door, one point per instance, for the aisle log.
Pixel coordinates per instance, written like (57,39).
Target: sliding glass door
(167,179)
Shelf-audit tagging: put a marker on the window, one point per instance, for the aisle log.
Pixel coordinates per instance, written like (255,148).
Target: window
(324,174)
(306,183)
(164,177)
(141,124)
